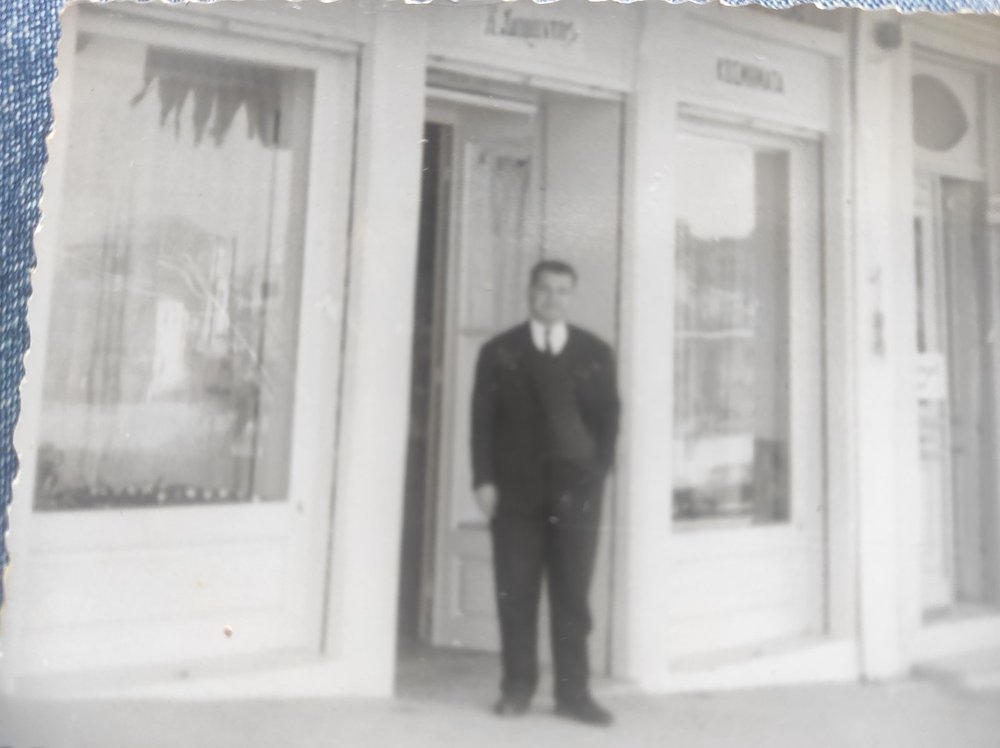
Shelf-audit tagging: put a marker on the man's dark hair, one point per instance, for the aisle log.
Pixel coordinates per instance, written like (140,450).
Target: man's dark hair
(557,267)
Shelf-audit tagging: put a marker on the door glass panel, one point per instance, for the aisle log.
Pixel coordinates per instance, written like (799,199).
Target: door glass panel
(492,226)
(496,235)
(732,379)
(173,334)
(964,246)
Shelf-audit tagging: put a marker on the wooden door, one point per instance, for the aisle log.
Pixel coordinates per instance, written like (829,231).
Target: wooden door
(493,226)
(934,403)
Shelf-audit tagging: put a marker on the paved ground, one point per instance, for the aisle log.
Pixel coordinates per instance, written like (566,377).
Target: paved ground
(909,714)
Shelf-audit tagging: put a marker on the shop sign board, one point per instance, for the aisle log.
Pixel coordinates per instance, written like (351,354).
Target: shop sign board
(747,75)
(581,43)
(722,69)
(505,23)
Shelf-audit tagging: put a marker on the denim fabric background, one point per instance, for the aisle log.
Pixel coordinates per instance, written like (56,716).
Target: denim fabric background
(29,30)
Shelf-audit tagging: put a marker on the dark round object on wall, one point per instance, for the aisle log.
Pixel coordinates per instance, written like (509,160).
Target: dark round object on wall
(939,120)
(888,35)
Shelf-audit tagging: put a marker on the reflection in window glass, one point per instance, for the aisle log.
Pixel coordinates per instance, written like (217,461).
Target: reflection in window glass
(173,335)
(732,327)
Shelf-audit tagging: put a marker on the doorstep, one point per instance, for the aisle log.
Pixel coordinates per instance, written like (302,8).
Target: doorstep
(974,671)
(956,633)
(781,663)
(274,675)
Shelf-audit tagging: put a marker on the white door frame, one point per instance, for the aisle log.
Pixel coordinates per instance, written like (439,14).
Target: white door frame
(805,529)
(441,109)
(465,535)
(325,249)
(642,651)
(960,50)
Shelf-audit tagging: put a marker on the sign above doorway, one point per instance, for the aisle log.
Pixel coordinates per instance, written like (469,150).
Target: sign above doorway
(533,30)
(737,73)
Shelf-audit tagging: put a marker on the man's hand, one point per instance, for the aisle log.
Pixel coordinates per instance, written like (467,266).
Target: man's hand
(486,498)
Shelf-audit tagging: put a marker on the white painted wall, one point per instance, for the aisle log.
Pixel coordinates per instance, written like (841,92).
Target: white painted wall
(582,201)
(643,516)
(882,355)
(368,513)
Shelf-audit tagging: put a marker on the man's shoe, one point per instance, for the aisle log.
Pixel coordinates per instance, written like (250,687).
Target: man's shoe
(585,710)
(508,706)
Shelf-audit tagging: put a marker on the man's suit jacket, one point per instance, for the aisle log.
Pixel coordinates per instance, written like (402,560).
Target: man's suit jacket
(508,447)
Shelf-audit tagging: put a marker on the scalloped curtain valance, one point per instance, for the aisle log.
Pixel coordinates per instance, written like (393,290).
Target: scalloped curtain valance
(217,88)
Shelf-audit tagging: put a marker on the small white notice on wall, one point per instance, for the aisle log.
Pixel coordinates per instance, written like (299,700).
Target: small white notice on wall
(932,376)
(993,212)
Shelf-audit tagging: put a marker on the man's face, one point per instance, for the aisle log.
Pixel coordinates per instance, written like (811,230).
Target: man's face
(551,297)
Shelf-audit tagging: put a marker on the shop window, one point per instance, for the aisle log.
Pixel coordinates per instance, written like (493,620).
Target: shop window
(731,332)
(172,343)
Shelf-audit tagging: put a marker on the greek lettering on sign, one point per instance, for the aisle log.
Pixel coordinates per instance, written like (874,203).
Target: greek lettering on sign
(738,73)
(505,23)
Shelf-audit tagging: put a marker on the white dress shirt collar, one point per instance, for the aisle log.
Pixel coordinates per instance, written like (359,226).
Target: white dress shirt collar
(558,335)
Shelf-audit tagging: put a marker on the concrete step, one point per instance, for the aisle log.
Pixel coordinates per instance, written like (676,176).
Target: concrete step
(975,671)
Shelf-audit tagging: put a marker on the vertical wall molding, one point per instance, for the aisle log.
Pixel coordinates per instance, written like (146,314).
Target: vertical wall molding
(886,461)
(644,478)
(368,520)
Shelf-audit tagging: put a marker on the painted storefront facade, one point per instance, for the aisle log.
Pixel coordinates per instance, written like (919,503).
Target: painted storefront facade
(274,238)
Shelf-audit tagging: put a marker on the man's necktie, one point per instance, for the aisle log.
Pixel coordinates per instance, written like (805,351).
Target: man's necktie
(550,347)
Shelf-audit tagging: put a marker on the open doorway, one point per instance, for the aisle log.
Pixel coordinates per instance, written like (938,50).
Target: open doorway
(416,569)
(510,175)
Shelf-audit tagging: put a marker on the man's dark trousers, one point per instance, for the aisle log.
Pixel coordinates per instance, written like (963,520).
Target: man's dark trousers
(559,543)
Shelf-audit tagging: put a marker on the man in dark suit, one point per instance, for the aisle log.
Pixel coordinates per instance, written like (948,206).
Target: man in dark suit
(544,424)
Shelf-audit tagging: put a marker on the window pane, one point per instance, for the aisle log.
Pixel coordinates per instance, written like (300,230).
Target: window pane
(173,336)
(731,351)
(495,233)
